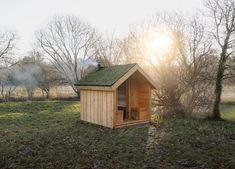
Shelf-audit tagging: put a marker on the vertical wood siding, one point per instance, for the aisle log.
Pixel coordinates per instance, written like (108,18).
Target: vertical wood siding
(97,107)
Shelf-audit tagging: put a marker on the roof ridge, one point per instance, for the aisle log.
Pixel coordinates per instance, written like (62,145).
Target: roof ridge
(122,65)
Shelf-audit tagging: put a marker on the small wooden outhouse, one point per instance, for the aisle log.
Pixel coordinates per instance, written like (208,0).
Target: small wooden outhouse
(116,96)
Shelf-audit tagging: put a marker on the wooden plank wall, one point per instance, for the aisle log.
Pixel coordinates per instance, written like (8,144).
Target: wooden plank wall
(97,107)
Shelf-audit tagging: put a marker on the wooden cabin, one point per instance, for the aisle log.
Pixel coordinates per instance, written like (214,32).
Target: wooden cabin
(116,96)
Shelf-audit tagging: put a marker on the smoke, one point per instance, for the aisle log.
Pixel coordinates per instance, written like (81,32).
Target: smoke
(90,62)
(89,65)
(68,72)
(27,75)
(4,78)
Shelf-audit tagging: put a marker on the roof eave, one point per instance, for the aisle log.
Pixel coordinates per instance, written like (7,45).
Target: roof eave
(104,88)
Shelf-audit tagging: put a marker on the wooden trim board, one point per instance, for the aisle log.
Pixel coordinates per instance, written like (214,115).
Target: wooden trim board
(131,123)
(95,88)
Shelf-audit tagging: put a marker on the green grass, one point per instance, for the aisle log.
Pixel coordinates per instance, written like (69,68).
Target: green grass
(49,135)
(228,112)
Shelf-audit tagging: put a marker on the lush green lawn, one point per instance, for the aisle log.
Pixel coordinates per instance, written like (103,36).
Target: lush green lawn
(48,135)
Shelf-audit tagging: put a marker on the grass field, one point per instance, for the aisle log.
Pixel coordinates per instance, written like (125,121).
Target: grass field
(228,112)
(49,135)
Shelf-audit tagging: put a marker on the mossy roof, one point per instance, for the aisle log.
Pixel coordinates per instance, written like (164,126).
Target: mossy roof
(105,76)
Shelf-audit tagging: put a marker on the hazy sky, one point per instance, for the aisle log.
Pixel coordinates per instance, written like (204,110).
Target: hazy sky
(27,16)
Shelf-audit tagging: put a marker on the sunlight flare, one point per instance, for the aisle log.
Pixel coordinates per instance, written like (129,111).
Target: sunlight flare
(159,44)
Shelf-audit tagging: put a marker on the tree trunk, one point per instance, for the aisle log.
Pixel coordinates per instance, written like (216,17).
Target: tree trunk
(219,79)
(77,91)
(48,95)
(219,86)
(43,95)
(218,91)
(78,94)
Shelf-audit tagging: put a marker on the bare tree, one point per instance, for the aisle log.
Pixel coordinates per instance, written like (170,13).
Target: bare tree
(184,73)
(69,42)
(47,75)
(222,13)
(47,78)
(7,44)
(110,51)
(7,83)
(25,73)
(196,60)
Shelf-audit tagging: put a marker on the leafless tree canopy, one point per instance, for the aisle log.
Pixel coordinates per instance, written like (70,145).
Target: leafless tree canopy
(69,42)
(184,75)
(44,75)
(7,44)
(196,60)
(110,51)
(223,15)
(7,84)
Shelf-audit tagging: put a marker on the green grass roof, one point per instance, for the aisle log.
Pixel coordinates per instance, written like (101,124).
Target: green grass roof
(106,76)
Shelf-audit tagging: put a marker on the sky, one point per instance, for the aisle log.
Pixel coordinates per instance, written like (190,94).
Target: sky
(27,16)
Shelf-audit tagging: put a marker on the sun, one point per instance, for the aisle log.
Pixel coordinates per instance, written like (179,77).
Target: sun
(159,44)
